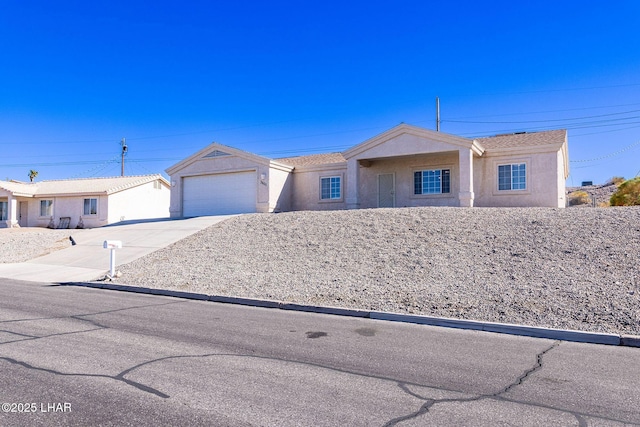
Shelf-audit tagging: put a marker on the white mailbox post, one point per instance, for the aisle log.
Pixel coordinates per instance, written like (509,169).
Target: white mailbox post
(112,245)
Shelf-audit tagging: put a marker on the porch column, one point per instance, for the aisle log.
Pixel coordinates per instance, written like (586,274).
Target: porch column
(352,198)
(12,215)
(465,159)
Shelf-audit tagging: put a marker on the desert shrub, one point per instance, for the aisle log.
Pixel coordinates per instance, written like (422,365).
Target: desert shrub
(617,180)
(579,198)
(604,204)
(628,193)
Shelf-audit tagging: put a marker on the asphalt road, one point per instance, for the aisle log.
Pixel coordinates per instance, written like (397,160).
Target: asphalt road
(80,356)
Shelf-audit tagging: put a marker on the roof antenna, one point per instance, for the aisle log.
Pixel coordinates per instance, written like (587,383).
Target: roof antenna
(437,114)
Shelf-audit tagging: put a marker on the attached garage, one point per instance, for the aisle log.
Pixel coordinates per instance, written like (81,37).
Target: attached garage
(219,194)
(221,180)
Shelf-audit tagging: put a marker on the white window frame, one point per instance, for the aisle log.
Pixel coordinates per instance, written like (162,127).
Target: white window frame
(432,169)
(332,197)
(84,206)
(48,208)
(511,177)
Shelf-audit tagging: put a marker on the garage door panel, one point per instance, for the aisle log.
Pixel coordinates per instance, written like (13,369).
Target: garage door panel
(219,194)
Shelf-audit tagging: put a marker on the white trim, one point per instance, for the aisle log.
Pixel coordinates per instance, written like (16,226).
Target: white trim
(403,128)
(496,177)
(450,194)
(91,215)
(330,200)
(234,152)
(48,215)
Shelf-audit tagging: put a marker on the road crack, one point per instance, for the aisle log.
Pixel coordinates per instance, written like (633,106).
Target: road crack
(119,377)
(429,402)
(423,409)
(528,372)
(33,337)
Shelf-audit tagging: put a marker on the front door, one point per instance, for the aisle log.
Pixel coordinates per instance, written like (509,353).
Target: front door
(23,211)
(386,190)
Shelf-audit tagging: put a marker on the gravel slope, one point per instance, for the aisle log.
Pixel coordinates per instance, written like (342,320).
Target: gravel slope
(23,244)
(561,268)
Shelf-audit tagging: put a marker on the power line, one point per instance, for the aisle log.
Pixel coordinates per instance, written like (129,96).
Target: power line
(549,111)
(606,156)
(538,129)
(99,167)
(604,131)
(562,90)
(549,120)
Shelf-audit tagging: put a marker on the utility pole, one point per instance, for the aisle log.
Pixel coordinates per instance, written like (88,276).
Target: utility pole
(437,114)
(123,142)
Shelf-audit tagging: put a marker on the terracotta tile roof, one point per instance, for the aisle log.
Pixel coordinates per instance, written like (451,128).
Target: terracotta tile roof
(524,139)
(78,186)
(313,159)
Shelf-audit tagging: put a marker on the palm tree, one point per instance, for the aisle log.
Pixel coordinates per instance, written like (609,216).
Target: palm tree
(33,174)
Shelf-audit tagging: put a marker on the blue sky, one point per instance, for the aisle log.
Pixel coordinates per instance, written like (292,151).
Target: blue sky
(283,78)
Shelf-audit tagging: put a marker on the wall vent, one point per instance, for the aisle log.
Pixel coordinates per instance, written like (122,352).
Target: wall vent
(217,153)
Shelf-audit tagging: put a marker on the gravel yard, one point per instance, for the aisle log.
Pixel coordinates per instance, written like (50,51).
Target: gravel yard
(560,268)
(575,268)
(23,244)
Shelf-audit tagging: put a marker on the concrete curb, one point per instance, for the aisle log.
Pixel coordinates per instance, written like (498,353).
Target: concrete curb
(504,328)
(501,328)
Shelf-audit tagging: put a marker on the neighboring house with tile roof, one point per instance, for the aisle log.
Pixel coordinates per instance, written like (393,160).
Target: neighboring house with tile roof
(403,167)
(83,203)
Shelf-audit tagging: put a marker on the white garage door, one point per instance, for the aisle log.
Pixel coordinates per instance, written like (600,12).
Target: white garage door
(219,194)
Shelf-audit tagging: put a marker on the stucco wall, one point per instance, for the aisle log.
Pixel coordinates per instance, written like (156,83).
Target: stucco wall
(403,169)
(408,145)
(280,183)
(306,188)
(541,181)
(142,202)
(72,207)
(560,179)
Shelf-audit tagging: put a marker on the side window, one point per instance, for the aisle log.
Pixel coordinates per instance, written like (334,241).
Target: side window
(512,177)
(46,207)
(90,206)
(330,188)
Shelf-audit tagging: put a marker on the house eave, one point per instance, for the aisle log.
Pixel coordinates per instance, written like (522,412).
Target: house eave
(533,149)
(172,170)
(321,167)
(81,194)
(280,166)
(401,129)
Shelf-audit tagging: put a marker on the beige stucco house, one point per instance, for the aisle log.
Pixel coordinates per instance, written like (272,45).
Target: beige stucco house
(402,167)
(83,203)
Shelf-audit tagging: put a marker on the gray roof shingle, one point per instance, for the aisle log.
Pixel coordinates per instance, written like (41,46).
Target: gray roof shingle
(313,159)
(524,139)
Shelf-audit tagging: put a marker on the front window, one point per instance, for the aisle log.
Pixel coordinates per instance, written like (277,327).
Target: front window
(90,206)
(432,181)
(46,207)
(330,188)
(512,177)
(4,207)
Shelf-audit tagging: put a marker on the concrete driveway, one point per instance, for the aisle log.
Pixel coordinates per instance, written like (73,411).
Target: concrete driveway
(88,260)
